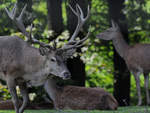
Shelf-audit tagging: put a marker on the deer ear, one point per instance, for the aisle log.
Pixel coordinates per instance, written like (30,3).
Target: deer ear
(115,25)
(43,50)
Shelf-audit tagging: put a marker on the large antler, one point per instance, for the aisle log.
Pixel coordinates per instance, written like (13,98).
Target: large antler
(18,21)
(72,43)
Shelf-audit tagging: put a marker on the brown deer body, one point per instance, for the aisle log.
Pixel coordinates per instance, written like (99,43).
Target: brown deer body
(22,64)
(136,57)
(75,97)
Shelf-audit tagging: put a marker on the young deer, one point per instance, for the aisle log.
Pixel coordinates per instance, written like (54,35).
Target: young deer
(136,57)
(22,64)
(75,97)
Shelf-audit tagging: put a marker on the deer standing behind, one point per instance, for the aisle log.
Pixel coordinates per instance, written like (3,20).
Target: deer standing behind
(22,64)
(137,57)
(75,97)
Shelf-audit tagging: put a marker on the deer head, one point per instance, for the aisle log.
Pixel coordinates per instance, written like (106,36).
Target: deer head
(55,57)
(110,33)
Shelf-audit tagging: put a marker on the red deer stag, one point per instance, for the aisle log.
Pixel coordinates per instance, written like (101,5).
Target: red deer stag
(75,97)
(23,64)
(136,57)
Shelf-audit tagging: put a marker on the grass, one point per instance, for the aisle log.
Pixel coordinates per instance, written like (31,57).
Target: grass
(131,109)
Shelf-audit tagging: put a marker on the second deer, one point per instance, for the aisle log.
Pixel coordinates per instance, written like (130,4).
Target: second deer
(137,57)
(75,97)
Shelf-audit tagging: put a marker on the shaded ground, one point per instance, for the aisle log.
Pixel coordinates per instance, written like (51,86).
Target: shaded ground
(131,109)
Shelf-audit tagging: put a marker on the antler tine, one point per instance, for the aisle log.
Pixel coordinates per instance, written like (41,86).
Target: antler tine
(30,34)
(77,13)
(14,9)
(18,21)
(12,14)
(80,11)
(72,43)
(81,20)
(68,49)
(35,41)
(73,10)
(21,26)
(22,12)
(78,43)
(88,13)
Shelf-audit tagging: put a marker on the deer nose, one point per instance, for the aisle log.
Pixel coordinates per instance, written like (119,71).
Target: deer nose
(67,75)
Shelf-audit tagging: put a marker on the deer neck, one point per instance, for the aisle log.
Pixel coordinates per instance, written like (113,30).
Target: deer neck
(51,88)
(120,45)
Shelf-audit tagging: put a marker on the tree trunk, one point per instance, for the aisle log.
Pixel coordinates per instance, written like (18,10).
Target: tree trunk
(121,75)
(76,65)
(55,20)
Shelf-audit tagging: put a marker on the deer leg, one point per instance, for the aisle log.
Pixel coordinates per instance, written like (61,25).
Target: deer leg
(137,79)
(24,93)
(12,88)
(146,78)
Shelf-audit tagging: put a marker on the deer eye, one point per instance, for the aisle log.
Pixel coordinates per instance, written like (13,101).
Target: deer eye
(53,59)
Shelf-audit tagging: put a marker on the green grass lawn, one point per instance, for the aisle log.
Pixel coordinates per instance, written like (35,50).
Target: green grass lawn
(132,109)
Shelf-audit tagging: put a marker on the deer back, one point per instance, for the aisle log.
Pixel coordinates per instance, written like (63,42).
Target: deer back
(17,57)
(137,57)
(74,97)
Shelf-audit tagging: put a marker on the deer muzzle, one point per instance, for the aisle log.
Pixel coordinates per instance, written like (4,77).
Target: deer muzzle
(66,75)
